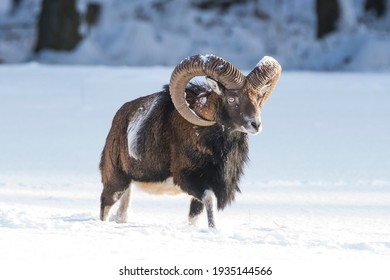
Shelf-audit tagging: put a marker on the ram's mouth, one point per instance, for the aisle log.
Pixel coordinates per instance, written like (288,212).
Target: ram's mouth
(249,129)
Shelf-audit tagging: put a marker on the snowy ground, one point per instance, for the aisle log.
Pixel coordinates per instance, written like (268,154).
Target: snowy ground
(316,194)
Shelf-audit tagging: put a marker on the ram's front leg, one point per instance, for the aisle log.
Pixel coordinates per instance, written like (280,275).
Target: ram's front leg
(203,197)
(210,202)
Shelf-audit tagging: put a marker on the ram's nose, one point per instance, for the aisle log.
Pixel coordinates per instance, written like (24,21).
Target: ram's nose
(252,126)
(256,125)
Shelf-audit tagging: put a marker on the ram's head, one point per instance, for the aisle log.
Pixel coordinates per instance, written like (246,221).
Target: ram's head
(234,101)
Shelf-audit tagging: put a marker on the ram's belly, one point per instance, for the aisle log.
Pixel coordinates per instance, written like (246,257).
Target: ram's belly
(165,187)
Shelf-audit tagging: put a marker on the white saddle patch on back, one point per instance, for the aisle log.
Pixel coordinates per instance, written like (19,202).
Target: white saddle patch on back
(165,187)
(136,124)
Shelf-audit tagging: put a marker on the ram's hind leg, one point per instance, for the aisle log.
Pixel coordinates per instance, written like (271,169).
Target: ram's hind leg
(112,192)
(196,208)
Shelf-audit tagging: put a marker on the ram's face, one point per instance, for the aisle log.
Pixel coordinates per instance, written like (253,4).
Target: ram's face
(241,110)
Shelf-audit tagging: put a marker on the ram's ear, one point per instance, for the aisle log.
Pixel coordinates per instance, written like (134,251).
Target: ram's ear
(215,86)
(264,89)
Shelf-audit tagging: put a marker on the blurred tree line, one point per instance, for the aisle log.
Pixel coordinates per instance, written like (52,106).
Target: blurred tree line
(328,13)
(59,20)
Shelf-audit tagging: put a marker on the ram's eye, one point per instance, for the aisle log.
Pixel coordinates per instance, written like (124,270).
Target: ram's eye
(231,100)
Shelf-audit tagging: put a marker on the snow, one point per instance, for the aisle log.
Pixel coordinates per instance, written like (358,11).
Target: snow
(154,32)
(202,101)
(315,197)
(205,59)
(266,60)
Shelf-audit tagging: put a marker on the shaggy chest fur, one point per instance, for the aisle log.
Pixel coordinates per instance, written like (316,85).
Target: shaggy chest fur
(229,152)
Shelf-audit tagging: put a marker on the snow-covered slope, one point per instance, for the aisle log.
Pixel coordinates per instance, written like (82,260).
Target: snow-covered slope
(316,194)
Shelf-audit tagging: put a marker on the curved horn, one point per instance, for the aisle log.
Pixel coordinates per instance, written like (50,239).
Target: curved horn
(201,65)
(264,77)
